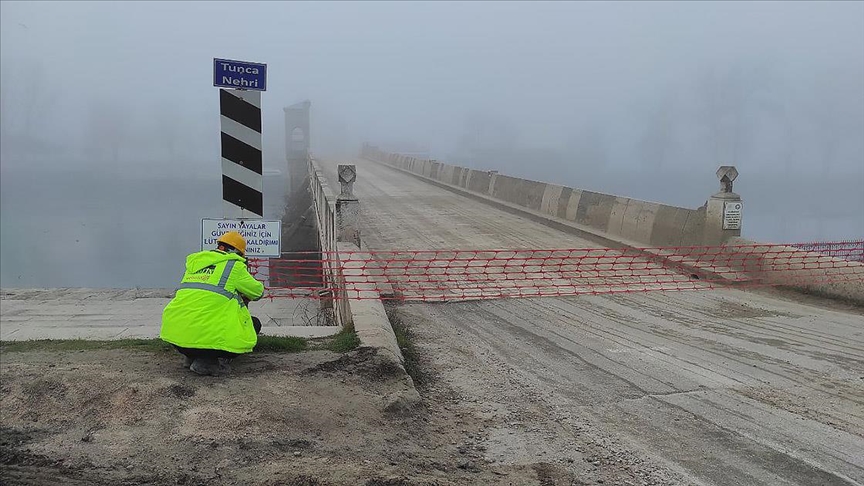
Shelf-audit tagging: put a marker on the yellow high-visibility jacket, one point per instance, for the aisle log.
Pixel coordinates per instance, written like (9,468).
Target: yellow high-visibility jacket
(207,312)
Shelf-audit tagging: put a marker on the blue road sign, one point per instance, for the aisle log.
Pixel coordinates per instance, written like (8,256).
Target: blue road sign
(239,74)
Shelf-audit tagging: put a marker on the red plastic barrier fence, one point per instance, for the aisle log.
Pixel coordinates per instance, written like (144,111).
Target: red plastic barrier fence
(852,250)
(442,275)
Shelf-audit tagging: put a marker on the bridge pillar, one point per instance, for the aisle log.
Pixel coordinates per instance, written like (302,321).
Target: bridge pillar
(297,143)
(724,210)
(347,207)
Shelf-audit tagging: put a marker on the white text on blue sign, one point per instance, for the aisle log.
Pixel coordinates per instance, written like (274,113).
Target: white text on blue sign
(239,74)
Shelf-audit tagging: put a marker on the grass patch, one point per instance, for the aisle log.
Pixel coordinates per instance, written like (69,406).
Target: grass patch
(405,340)
(343,342)
(267,344)
(151,345)
(275,344)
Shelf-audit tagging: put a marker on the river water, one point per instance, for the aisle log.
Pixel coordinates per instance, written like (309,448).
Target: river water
(80,229)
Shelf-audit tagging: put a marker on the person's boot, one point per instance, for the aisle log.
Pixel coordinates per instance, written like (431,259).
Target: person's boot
(187,362)
(224,366)
(205,366)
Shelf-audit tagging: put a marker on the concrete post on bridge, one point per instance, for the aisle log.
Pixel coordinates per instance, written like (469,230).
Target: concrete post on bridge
(724,210)
(347,207)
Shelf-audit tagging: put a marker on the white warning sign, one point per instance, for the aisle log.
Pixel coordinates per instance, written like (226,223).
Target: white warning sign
(262,237)
(732,215)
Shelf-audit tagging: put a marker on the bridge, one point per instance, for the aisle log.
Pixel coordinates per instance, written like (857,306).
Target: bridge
(730,361)
(625,330)
(722,383)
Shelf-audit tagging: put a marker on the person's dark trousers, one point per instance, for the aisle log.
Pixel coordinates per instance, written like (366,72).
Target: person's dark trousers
(194,353)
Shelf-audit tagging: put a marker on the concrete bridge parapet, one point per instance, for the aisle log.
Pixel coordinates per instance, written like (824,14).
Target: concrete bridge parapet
(638,222)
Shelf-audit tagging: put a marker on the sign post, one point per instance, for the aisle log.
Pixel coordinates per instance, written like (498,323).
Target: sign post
(242,162)
(240,116)
(240,85)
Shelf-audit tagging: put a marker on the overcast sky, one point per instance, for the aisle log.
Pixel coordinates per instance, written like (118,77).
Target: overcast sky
(419,72)
(653,95)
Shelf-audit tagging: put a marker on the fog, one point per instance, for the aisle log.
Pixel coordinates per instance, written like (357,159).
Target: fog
(109,125)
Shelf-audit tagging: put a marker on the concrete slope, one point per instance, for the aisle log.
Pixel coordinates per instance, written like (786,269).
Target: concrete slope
(722,386)
(108,314)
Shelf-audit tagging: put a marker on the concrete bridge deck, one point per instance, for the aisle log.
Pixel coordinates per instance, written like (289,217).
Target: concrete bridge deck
(720,386)
(107,314)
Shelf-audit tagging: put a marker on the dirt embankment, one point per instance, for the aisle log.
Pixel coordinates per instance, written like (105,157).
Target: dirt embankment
(123,417)
(120,417)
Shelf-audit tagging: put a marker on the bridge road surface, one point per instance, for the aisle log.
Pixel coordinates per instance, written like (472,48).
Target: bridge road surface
(718,386)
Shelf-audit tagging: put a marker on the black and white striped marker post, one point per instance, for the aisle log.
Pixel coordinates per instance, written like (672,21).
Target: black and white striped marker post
(242,181)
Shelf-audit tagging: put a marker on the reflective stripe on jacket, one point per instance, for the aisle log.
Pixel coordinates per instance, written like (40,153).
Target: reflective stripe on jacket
(207,311)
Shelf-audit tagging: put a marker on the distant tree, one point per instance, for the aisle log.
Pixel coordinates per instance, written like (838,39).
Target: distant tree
(168,128)
(484,137)
(730,101)
(835,117)
(107,129)
(34,94)
(27,99)
(587,148)
(7,112)
(658,133)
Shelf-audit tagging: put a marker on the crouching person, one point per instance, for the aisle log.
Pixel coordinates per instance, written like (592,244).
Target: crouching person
(208,320)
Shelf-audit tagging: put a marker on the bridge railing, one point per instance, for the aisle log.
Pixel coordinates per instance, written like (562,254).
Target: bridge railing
(333,290)
(640,223)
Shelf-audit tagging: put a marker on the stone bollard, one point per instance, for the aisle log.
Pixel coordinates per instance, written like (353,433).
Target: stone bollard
(347,207)
(724,210)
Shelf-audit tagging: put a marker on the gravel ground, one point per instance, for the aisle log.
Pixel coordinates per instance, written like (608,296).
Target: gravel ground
(120,417)
(707,390)
(590,396)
